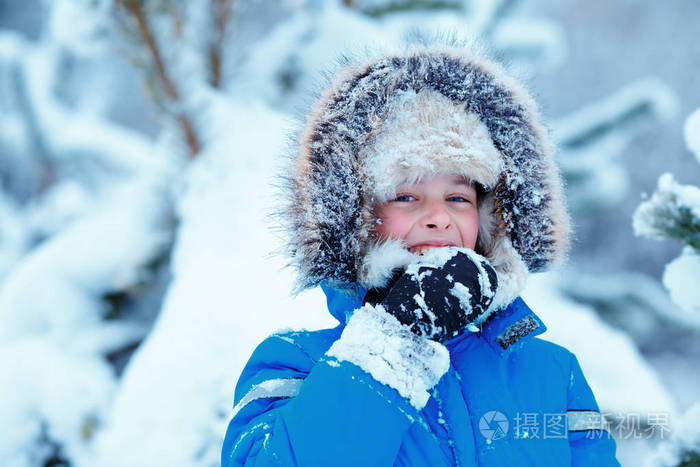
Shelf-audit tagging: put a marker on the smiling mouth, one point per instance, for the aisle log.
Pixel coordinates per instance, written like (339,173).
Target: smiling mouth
(423,247)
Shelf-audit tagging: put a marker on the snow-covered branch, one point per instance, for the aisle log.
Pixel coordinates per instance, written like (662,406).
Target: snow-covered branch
(592,138)
(673,211)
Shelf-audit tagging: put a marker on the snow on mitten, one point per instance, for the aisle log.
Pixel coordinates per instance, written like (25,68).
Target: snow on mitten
(442,292)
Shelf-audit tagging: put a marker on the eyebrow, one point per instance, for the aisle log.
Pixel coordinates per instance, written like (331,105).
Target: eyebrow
(459,180)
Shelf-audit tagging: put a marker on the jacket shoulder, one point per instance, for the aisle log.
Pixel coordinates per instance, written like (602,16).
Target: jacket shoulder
(546,356)
(544,346)
(285,354)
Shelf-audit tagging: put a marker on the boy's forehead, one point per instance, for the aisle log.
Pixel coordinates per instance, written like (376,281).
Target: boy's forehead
(452,180)
(460,180)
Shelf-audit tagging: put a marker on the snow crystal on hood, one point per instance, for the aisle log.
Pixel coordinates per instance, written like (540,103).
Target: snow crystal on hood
(382,259)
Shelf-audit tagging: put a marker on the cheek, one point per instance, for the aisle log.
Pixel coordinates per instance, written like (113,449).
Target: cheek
(394,225)
(469,229)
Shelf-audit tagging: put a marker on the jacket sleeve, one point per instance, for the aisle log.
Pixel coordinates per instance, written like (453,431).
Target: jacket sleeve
(351,407)
(589,437)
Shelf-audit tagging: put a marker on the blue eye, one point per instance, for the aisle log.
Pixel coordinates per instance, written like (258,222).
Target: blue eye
(458,199)
(404,198)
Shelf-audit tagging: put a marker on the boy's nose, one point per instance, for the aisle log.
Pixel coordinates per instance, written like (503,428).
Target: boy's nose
(437,217)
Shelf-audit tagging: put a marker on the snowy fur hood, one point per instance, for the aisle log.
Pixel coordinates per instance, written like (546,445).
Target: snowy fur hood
(396,117)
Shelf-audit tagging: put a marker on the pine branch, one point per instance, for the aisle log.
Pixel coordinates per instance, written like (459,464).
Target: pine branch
(404,5)
(689,459)
(671,212)
(631,107)
(682,225)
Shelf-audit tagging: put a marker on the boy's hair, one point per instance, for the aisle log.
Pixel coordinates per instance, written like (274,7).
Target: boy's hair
(429,109)
(483,238)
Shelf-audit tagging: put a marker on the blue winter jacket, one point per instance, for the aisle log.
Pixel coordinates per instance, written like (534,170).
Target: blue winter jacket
(504,401)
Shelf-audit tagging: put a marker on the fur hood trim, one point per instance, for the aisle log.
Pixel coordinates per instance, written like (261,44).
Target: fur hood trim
(397,117)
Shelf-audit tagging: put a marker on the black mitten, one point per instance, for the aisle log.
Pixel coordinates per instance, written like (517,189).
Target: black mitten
(441,293)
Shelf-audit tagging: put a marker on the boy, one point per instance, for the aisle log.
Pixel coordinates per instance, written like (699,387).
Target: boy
(424,193)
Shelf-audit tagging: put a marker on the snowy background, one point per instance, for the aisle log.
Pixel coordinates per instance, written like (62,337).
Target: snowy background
(139,142)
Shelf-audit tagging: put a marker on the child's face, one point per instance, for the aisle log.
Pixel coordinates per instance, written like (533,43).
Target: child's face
(439,211)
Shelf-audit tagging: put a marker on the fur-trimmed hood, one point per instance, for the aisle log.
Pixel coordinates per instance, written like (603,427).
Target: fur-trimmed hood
(396,117)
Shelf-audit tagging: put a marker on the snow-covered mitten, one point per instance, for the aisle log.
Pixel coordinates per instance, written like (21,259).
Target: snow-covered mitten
(441,293)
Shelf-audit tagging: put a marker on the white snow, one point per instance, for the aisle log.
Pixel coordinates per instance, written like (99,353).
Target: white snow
(462,293)
(13,234)
(375,341)
(691,133)
(51,392)
(684,438)
(681,278)
(102,252)
(74,26)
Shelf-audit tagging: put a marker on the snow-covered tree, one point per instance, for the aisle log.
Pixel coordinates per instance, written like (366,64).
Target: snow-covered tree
(673,211)
(89,229)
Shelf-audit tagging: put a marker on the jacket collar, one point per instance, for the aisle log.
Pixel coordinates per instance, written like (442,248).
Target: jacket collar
(505,330)
(342,302)
(509,328)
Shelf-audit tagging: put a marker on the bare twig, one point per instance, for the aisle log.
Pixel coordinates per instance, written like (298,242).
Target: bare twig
(221,13)
(145,34)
